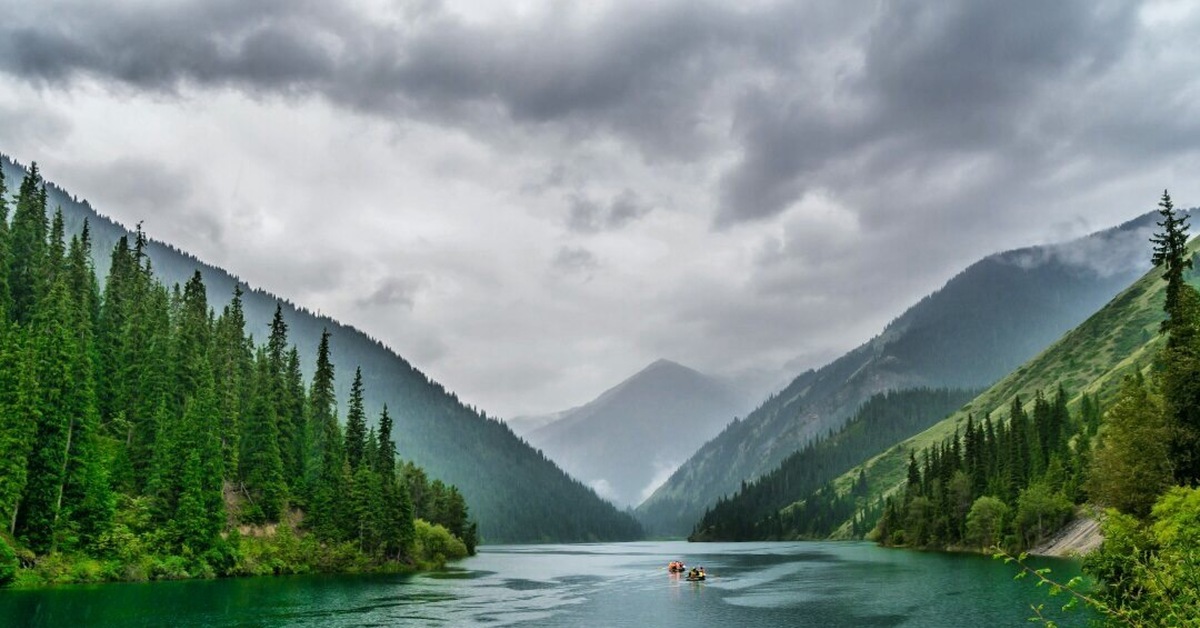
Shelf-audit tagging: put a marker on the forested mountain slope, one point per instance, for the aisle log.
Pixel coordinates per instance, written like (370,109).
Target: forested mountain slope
(1089,362)
(634,434)
(515,493)
(984,322)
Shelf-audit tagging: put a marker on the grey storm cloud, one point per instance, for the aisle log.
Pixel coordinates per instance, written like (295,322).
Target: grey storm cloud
(586,215)
(936,83)
(778,165)
(920,85)
(657,76)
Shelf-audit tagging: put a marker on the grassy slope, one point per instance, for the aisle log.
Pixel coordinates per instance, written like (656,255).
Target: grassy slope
(1091,358)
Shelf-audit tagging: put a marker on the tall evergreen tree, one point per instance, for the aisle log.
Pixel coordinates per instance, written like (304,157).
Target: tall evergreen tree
(5,253)
(1179,362)
(356,423)
(293,420)
(27,247)
(262,465)
(234,368)
(20,415)
(328,470)
(64,462)
(192,337)
(1170,254)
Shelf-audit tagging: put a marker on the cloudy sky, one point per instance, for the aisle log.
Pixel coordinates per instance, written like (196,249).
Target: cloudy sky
(532,200)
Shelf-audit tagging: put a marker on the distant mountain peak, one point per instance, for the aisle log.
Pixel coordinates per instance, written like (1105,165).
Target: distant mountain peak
(662,363)
(631,437)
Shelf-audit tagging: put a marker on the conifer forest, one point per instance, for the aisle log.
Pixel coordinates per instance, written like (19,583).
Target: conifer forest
(144,434)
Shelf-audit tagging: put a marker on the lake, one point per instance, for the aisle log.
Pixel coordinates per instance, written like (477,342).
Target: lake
(614,584)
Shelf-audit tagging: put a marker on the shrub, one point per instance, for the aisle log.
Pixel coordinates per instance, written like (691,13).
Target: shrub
(435,545)
(1151,574)
(985,522)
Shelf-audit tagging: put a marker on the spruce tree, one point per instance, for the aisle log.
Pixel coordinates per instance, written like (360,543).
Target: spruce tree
(234,368)
(1179,361)
(5,253)
(27,247)
(55,249)
(192,336)
(59,414)
(385,464)
(356,423)
(20,414)
(262,465)
(1170,254)
(293,421)
(328,472)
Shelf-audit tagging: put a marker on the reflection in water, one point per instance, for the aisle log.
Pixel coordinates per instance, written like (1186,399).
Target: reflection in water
(760,584)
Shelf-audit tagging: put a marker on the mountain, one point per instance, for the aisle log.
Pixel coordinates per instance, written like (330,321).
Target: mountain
(987,320)
(1090,359)
(629,439)
(515,493)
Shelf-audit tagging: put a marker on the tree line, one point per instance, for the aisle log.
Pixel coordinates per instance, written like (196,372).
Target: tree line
(753,513)
(1009,482)
(136,416)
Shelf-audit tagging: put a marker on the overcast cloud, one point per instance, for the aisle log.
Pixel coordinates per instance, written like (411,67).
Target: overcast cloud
(533,200)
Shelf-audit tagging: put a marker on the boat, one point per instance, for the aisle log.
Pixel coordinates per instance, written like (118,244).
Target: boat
(695,578)
(676,567)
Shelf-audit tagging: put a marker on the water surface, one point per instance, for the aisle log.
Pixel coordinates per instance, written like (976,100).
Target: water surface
(765,585)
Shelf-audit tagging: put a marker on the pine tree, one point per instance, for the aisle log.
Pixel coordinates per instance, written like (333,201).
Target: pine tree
(367,509)
(56,251)
(262,465)
(192,338)
(328,471)
(293,422)
(62,411)
(1179,361)
(1170,253)
(322,412)
(356,423)
(87,493)
(385,463)
(234,368)
(147,369)
(27,247)
(201,426)
(5,253)
(20,414)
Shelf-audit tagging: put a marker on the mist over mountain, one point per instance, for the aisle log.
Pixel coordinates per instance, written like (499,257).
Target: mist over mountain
(515,493)
(987,320)
(628,440)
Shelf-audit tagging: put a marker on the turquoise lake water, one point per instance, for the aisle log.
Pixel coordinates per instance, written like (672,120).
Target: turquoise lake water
(765,585)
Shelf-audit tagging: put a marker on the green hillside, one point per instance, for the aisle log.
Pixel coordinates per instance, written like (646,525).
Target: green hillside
(1090,359)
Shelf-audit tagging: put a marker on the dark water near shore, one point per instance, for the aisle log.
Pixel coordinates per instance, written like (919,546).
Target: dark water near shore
(625,584)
